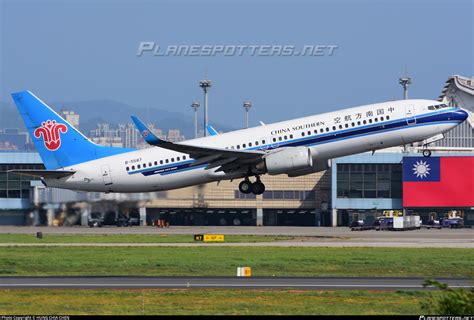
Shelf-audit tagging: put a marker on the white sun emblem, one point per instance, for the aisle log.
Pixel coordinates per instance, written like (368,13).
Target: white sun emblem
(421,169)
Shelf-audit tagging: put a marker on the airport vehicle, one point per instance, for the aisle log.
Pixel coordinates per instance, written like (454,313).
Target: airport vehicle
(95,222)
(453,219)
(295,147)
(124,221)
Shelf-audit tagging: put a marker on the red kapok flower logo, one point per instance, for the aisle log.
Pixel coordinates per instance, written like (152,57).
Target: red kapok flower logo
(50,130)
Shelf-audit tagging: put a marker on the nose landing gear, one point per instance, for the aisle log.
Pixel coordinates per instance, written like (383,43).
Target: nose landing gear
(247,187)
(426,153)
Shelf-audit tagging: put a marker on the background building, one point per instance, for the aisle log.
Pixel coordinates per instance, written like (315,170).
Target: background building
(365,185)
(459,92)
(71,117)
(13,139)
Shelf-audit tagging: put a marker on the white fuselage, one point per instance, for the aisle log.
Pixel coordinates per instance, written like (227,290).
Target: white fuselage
(329,135)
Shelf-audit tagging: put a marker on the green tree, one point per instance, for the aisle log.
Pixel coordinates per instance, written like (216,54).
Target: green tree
(450,301)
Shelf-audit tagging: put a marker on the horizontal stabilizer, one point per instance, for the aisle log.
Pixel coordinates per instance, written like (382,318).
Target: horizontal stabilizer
(48,174)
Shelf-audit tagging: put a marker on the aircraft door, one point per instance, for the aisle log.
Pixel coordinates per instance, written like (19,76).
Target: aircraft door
(106,176)
(410,115)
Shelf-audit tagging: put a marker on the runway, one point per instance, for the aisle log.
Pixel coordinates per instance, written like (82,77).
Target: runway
(318,283)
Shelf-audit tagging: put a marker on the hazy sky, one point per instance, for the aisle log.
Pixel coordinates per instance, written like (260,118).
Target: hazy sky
(81,50)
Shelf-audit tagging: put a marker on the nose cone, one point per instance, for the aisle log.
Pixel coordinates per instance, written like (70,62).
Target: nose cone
(460,115)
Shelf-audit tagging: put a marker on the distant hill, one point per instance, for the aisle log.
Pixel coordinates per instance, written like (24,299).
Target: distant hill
(113,112)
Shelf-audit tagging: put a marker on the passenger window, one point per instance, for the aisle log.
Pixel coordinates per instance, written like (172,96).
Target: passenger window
(133,167)
(172,159)
(327,129)
(376,119)
(302,134)
(149,164)
(156,163)
(291,136)
(286,137)
(250,144)
(346,125)
(370,120)
(243,146)
(309,133)
(365,122)
(256,143)
(340,126)
(138,166)
(144,165)
(167,161)
(358,123)
(353,124)
(321,130)
(263,141)
(178,158)
(127,168)
(334,128)
(387,117)
(279,139)
(238,146)
(184,157)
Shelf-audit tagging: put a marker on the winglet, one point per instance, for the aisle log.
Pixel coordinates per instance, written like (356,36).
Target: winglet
(211,130)
(146,133)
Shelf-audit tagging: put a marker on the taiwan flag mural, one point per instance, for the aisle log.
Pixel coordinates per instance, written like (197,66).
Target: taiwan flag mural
(438,181)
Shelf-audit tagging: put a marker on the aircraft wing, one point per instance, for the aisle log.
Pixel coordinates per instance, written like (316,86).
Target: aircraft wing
(48,174)
(227,160)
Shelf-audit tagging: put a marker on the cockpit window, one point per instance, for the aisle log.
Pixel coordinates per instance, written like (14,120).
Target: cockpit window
(438,106)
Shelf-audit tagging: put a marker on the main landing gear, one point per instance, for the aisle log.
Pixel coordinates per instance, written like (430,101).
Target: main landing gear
(248,187)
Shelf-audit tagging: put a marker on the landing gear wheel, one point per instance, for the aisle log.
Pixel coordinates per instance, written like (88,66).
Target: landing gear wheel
(426,153)
(258,188)
(245,186)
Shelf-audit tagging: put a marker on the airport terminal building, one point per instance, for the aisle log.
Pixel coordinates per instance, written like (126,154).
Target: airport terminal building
(357,187)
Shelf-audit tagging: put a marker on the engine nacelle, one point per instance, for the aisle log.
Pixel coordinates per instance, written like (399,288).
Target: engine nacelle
(288,159)
(318,166)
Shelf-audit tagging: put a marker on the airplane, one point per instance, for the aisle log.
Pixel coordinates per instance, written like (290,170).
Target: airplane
(295,147)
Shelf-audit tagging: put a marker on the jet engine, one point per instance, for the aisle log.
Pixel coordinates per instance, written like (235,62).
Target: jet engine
(286,160)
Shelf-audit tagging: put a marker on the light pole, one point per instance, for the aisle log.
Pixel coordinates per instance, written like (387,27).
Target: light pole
(205,85)
(247,106)
(405,82)
(195,106)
